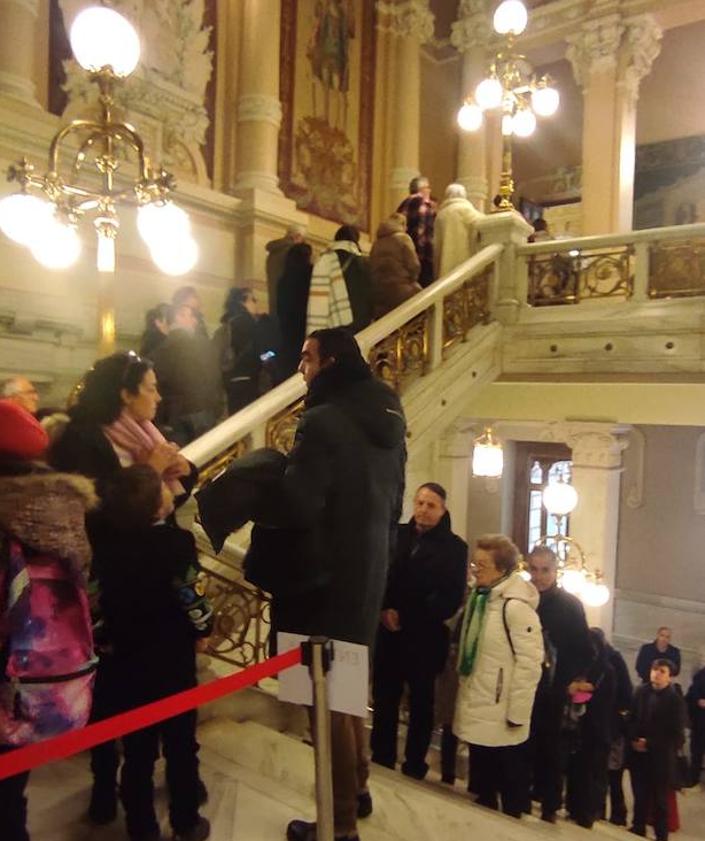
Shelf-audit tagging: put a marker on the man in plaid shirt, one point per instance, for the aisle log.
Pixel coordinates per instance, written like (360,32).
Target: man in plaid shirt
(420,211)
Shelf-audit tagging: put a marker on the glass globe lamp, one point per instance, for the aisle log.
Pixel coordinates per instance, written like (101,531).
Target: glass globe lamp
(524,123)
(545,101)
(162,223)
(176,256)
(573,581)
(595,594)
(488,94)
(470,117)
(510,18)
(57,245)
(100,37)
(559,498)
(22,217)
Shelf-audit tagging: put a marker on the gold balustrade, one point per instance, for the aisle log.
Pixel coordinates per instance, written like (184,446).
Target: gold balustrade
(466,307)
(216,465)
(677,268)
(574,276)
(403,356)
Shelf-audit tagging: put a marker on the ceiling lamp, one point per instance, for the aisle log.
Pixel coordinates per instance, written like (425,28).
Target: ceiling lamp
(107,46)
(512,88)
(487,456)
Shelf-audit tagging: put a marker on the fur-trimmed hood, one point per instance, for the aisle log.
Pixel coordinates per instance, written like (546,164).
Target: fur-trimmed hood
(46,512)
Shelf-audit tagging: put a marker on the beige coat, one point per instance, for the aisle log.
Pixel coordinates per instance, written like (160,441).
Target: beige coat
(394,267)
(455,234)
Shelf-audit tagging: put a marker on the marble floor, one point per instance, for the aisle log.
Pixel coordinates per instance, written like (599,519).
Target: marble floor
(259,779)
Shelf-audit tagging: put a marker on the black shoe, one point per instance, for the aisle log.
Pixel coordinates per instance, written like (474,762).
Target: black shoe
(618,820)
(448,780)
(549,817)
(364,804)
(306,831)
(637,830)
(199,832)
(103,806)
(201,792)
(416,772)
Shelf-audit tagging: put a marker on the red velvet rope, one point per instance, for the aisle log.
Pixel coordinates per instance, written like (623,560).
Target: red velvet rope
(75,741)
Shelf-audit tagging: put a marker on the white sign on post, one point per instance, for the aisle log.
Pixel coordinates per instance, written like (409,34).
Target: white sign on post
(347,679)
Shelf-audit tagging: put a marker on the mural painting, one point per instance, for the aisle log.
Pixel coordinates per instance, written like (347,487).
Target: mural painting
(327,92)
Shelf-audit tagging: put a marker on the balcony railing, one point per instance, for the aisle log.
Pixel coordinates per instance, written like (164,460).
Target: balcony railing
(640,265)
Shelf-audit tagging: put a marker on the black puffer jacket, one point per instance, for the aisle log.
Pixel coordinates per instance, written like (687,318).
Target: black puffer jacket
(426,585)
(344,483)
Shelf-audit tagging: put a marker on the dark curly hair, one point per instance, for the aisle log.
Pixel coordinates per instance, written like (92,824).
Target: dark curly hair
(99,400)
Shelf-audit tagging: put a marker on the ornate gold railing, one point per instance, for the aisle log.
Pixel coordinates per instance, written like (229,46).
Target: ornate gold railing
(463,309)
(677,268)
(216,465)
(403,356)
(574,276)
(242,624)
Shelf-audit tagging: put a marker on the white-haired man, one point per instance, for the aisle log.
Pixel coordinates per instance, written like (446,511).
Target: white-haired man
(21,391)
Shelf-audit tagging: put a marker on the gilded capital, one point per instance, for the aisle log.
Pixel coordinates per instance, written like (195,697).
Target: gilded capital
(407,19)
(595,47)
(472,28)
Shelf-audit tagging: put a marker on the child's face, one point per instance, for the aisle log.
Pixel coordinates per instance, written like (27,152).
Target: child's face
(167,505)
(660,677)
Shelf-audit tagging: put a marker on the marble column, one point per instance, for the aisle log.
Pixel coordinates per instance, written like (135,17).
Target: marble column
(597,469)
(610,55)
(454,466)
(469,35)
(259,111)
(18,20)
(411,22)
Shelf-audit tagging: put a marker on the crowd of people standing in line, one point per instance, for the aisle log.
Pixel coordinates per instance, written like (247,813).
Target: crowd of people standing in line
(203,377)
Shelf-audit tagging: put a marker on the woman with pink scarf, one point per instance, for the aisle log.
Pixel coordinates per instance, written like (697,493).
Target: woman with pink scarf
(111,427)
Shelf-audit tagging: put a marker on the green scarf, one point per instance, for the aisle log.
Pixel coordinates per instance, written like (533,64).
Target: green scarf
(473,619)
(472,625)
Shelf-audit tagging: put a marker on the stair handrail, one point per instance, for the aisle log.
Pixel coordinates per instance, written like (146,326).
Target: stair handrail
(672,232)
(254,416)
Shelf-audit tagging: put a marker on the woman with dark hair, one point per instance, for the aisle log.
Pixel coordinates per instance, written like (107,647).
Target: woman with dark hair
(111,427)
(246,346)
(292,300)
(156,327)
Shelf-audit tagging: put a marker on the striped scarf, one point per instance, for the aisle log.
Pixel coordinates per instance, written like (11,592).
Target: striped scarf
(328,302)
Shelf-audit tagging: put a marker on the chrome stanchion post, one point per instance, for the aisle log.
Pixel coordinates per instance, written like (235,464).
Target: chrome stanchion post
(317,654)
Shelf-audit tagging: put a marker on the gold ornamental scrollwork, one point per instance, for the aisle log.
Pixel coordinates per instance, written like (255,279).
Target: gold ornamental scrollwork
(241,624)
(466,307)
(403,356)
(216,465)
(574,276)
(281,429)
(677,269)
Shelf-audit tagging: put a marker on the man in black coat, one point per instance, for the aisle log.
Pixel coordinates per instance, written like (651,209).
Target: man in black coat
(568,654)
(343,487)
(660,648)
(696,707)
(426,586)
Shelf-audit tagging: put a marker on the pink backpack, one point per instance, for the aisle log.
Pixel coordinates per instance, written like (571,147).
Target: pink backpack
(47,663)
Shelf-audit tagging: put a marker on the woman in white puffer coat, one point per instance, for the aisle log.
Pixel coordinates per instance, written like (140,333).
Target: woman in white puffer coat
(499,665)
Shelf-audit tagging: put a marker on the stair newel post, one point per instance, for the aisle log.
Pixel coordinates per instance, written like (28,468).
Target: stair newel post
(317,654)
(510,286)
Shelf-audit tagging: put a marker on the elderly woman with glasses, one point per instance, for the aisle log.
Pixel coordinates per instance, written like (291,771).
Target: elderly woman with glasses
(499,665)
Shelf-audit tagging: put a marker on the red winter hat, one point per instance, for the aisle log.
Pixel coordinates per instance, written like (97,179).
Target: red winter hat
(21,435)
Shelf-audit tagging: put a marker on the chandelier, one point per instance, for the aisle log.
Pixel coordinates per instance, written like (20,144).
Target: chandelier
(45,214)
(487,456)
(574,575)
(512,90)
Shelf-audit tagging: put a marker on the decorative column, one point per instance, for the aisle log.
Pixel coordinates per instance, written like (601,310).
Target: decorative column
(18,20)
(411,21)
(454,470)
(610,56)
(469,35)
(597,468)
(259,112)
